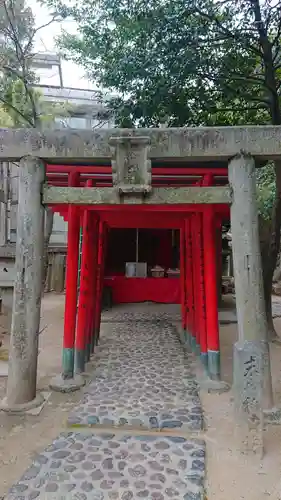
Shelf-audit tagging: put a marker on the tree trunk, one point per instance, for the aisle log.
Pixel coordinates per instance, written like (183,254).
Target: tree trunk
(49,220)
(277,272)
(270,247)
(267,282)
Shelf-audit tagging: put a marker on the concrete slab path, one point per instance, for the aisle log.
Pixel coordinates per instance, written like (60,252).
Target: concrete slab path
(132,433)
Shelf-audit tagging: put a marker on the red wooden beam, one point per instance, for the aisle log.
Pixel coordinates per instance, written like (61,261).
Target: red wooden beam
(144,224)
(85,169)
(189,171)
(174,171)
(124,209)
(99,184)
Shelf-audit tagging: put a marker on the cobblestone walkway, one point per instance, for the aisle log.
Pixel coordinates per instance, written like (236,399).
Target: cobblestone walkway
(142,382)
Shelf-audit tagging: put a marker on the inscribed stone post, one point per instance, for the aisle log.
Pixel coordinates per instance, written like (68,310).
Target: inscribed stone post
(131,168)
(252,379)
(22,374)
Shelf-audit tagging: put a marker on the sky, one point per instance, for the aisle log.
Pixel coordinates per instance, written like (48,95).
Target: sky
(73,75)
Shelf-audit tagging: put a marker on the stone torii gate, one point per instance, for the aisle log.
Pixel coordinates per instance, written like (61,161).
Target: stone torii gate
(131,153)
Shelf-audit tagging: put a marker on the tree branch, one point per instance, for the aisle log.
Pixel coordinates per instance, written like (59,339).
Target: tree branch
(237,110)
(276,40)
(13,34)
(28,91)
(235,77)
(22,61)
(223,29)
(9,105)
(35,31)
(22,55)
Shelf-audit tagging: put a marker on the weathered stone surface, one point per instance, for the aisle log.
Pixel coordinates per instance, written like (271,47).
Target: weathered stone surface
(158,377)
(110,196)
(207,143)
(131,169)
(175,479)
(23,352)
(252,374)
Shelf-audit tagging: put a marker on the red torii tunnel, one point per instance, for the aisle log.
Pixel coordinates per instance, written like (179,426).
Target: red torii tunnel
(200,254)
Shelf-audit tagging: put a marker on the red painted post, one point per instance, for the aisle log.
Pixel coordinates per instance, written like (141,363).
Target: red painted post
(189,281)
(196,264)
(195,340)
(219,257)
(101,267)
(183,277)
(212,322)
(81,340)
(93,272)
(101,227)
(72,259)
(186,277)
(97,281)
(201,292)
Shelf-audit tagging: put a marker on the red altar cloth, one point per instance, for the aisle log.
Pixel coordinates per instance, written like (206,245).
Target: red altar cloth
(131,290)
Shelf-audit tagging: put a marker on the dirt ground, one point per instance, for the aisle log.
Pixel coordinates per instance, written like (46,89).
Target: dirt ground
(230,475)
(22,437)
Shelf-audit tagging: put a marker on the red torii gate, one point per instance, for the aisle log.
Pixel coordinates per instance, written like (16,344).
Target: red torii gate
(139,191)
(199,254)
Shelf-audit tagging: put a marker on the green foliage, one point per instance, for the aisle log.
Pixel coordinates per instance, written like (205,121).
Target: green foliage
(266,188)
(19,103)
(16,42)
(5,119)
(16,75)
(19,106)
(187,63)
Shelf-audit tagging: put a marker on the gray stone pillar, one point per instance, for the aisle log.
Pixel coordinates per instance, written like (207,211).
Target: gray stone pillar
(22,372)
(251,377)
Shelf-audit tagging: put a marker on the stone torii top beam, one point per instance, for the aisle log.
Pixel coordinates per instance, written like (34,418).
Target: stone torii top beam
(206,143)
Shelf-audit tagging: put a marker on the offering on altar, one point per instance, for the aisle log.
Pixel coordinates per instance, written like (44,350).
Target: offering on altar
(158,272)
(173,273)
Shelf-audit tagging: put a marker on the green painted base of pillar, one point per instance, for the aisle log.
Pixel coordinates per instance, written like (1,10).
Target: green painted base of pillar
(92,343)
(97,337)
(88,352)
(197,349)
(183,336)
(193,343)
(214,365)
(204,360)
(67,363)
(79,360)
(188,339)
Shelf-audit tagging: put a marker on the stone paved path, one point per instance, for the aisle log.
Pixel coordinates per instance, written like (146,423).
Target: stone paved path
(142,382)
